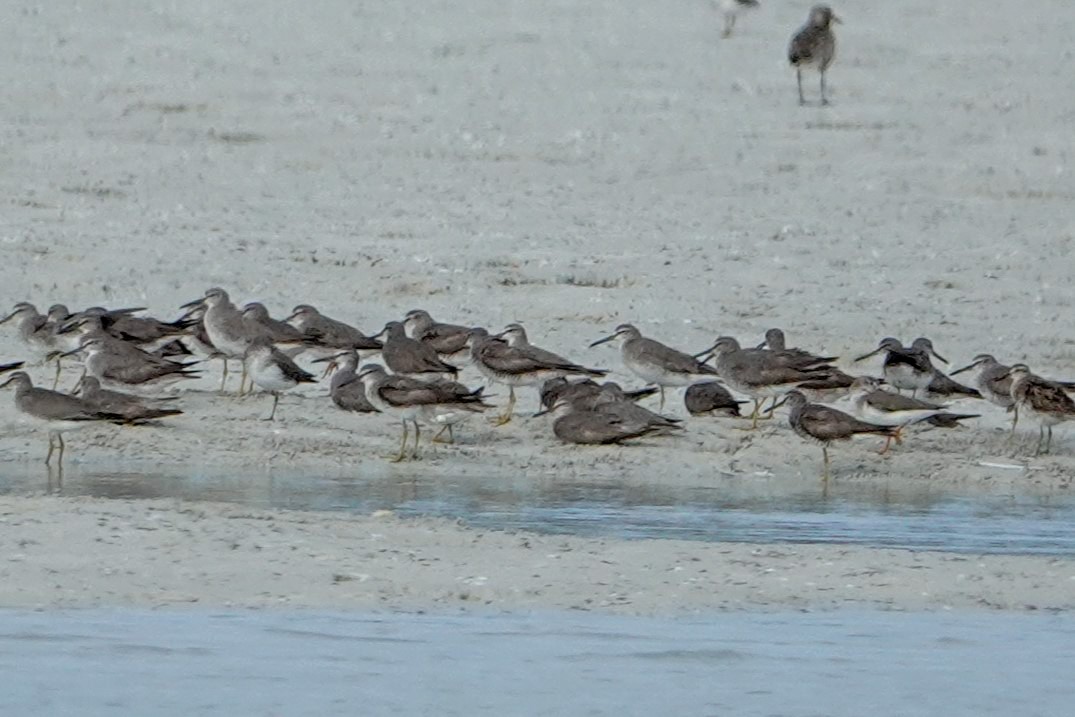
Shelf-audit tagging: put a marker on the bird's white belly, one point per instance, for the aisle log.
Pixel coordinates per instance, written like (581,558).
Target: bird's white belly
(652,373)
(268,376)
(904,377)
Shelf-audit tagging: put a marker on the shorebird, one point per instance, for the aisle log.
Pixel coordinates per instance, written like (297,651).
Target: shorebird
(730,10)
(117,364)
(994,382)
(944,385)
(776,342)
(814,45)
(348,393)
(711,398)
(516,366)
(134,409)
(409,357)
(873,404)
(412,400)
(515,336)
(276,330)
(448,340)
(907,368)
(762,374)
(573,390)
(59,412)
(226,330)
(602,424)
(327,333)
(822,425)
(1043,400)
(656,363)
(272,370)
(35,330)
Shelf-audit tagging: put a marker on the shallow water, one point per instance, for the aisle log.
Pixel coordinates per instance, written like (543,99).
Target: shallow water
(750,509)
(106,662)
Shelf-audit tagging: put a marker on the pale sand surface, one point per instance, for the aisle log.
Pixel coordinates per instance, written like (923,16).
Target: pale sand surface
(83,553)
(566,165)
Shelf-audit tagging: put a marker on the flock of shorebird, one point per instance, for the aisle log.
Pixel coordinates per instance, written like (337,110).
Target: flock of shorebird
(127,359)
(813,46)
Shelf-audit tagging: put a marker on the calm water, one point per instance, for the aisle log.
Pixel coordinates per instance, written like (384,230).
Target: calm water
(730,509)
(100,662)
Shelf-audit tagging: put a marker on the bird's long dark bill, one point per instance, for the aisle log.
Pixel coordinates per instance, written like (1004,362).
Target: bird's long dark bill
(779,403)
(5,383)
(939,357)
(539,413)
(863,357)
(968,367)
(603,341)
(329,358)
(8,318)
(709,351)
(192,304)
(70,353)
(759,346)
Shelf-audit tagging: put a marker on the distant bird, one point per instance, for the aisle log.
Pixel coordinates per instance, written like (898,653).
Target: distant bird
(409,357)
(276,330)
(411,400)
(730,10)
(763,374)
(873,404)
(348,393)
(823,425)
(602,424)
(574,389)
(120,365)
(515,366)
(59,412)
(654,362)
(1043,400)
(907,368)
(134,409)
(711,398)
(226,330)
(814,45)
(448,340)
(271,369)
(994,382)
(327,333)
(943,385)
(776,342)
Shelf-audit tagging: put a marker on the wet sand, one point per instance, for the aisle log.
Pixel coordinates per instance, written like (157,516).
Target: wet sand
(84,552)
(566,166)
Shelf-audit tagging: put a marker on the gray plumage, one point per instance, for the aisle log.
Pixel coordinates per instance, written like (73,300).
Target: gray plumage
(133,408)
(320,330)
(572,390)
(448,340)
(823,424)
(710,397)
(814,45)
(409,357)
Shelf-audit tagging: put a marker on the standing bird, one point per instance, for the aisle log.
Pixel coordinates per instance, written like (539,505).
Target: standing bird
(873,404)
(814,45)
(994,382)
(1043,400)
(411,400)
(516,366)
(907,368)
(730,10)
(656,363)
(823,425)
(763,374)
(226,330)
(271,369)
(58,411)
(448,340)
